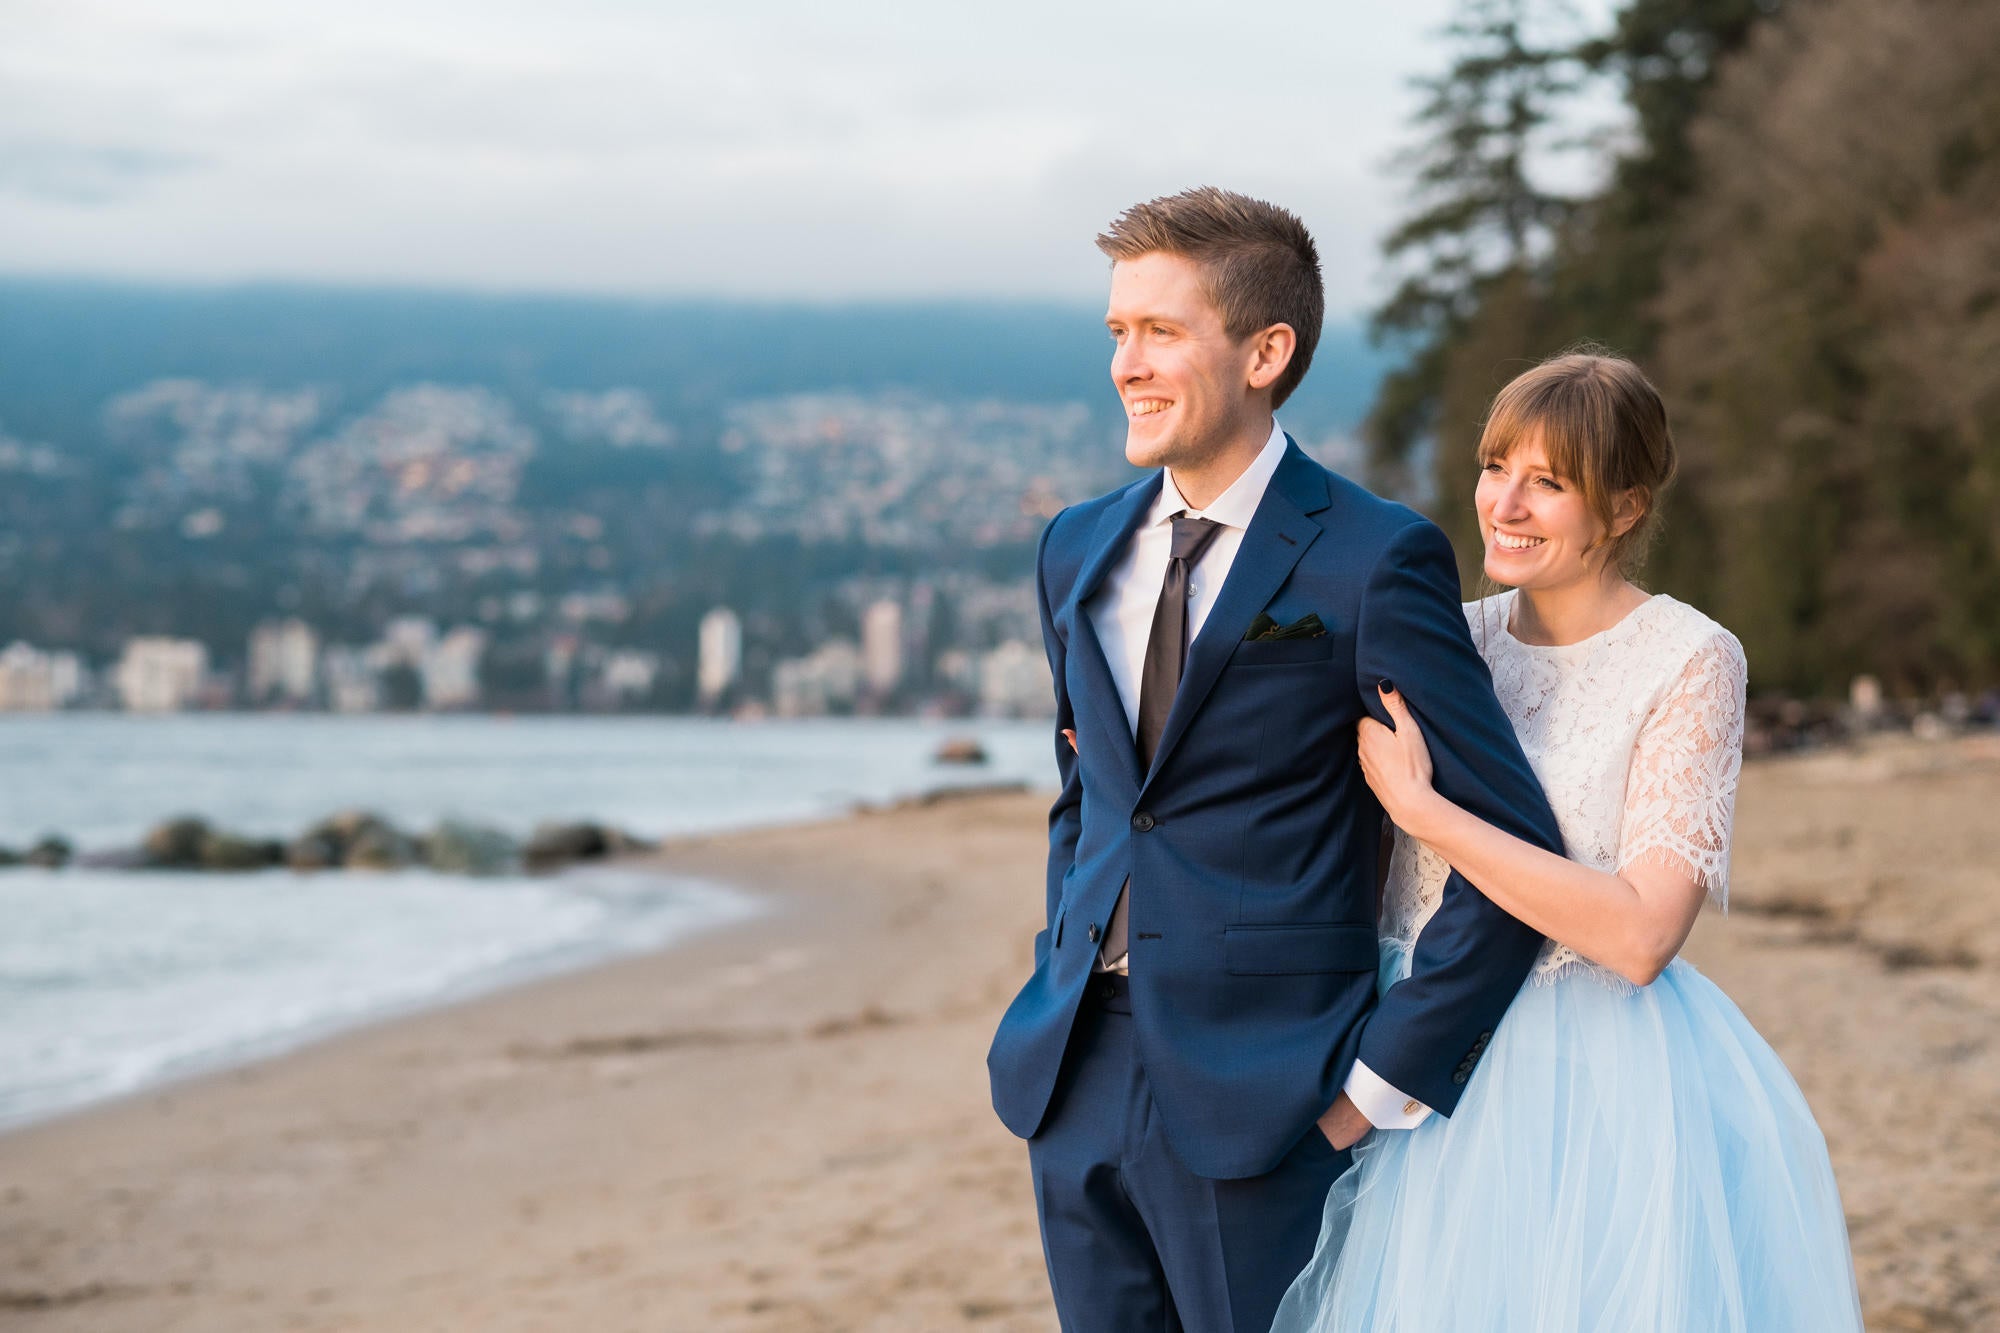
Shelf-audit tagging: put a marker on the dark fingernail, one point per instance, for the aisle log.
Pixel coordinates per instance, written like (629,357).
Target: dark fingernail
(1387,687)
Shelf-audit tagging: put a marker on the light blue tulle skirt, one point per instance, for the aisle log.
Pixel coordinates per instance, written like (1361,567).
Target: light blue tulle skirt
(1635,1160)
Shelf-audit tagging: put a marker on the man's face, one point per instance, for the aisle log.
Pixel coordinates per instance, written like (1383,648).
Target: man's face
(1184,380)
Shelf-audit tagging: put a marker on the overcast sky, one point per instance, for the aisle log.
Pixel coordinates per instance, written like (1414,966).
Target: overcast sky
(852,149)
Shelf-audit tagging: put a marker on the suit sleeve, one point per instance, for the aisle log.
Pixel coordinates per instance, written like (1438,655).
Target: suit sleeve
(1430,1030)
(1066,815)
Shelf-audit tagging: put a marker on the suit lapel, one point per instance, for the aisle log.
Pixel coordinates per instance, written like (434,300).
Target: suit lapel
(1278,535)
(1114,529)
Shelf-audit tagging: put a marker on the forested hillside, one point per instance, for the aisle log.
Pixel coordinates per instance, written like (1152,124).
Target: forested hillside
(1798,235)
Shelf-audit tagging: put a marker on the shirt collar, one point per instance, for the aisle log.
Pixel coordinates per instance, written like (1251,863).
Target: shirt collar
(1237,504)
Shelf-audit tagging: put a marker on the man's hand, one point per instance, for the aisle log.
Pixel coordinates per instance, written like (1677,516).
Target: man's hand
(1343,1124)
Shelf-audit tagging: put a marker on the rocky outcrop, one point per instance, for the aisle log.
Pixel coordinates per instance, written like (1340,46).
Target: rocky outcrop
(959,750)
(189,843)
(349,840)
(557,844)
(51,853)
(469,849)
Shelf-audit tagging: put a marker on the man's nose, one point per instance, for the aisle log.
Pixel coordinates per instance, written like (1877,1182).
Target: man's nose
(1128,362)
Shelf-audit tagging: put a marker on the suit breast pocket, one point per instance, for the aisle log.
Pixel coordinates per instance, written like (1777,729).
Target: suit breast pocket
(1282,652)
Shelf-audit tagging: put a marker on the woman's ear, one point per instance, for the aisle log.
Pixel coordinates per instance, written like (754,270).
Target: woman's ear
(1628,510)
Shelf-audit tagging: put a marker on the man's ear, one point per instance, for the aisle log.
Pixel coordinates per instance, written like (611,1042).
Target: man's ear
(1271,350)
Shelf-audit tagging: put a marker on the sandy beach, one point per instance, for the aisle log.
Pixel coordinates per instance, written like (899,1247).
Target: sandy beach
(784,1125)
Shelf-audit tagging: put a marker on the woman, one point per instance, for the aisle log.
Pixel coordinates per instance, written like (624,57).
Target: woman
(1630,1154)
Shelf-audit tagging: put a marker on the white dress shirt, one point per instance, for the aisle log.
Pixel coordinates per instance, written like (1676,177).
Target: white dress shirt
(1121,611)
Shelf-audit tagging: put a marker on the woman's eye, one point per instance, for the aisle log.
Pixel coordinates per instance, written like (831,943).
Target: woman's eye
(1549,483)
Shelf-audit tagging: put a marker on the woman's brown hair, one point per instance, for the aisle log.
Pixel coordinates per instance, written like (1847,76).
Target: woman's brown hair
(1604,431)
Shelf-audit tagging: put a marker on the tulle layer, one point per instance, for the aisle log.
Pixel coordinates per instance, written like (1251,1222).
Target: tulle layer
(1639,1161)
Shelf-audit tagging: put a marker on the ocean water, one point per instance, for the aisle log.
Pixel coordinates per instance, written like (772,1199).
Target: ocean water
(111,980)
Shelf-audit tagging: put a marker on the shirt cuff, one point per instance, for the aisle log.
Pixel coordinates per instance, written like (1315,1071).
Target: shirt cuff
(1383,1105)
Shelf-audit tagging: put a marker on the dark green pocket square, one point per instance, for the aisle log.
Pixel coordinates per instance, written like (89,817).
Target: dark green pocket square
(1264,629)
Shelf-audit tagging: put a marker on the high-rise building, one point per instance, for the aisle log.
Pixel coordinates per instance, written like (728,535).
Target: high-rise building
(1014,681)
(627,677)
(721,654)
(826,680)
(161,675)
(451,669)
(284,662)
(882,647)
(32,681)
(410,639)
(353,682)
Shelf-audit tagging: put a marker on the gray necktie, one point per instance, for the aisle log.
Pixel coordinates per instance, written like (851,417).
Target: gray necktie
(1160,678)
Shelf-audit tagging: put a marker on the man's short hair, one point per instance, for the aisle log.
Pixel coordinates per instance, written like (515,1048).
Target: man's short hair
(1258,263)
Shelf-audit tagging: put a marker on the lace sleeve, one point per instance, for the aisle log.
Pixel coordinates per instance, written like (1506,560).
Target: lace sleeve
(1681,795)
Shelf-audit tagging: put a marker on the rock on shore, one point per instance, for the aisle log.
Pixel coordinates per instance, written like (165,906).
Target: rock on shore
(354,840)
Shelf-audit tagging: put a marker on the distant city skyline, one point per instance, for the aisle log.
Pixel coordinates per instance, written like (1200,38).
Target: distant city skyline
(776,150)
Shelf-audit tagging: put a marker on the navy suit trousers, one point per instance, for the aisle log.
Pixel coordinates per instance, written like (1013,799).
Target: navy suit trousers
(1120,1212)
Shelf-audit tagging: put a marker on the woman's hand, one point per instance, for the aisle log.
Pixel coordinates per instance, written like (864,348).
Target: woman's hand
(1397,764)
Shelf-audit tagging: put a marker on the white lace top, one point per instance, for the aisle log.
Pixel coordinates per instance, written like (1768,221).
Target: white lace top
(1637,736)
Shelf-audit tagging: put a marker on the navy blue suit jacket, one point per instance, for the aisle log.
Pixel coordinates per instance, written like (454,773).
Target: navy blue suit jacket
(1252,844)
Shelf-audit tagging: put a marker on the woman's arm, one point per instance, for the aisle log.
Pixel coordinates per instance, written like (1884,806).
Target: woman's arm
(1680,802)
(1633,923)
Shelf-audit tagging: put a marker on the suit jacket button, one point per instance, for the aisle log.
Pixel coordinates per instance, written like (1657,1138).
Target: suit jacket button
(1143,822)
(1092,932)
(1460,1077)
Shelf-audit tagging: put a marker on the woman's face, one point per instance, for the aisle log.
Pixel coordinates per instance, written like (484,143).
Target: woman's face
(1537,529)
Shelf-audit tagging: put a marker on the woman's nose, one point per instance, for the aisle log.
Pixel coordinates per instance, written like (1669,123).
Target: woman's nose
(1508,504)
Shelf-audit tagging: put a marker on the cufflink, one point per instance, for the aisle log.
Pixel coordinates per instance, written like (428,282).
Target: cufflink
(1412,1106)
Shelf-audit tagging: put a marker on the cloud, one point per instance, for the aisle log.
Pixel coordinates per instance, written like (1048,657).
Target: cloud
(768,149)
(82,175)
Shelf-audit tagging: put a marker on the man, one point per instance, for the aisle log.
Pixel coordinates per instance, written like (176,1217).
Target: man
(1200,1043)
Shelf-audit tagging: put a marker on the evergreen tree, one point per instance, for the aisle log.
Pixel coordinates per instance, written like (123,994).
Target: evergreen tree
(1481,215)
(1510,273)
